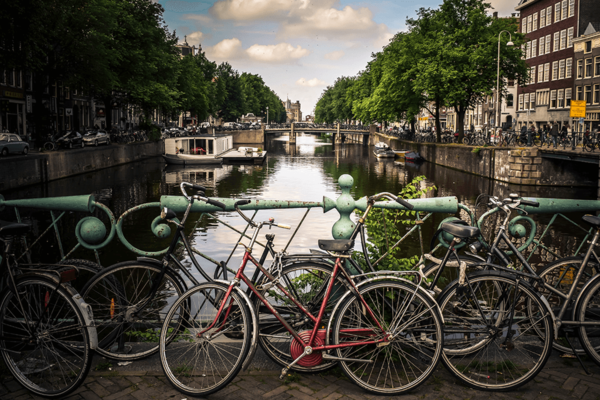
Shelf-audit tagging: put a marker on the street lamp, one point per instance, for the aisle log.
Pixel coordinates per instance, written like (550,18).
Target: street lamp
(498,97)
(267,115)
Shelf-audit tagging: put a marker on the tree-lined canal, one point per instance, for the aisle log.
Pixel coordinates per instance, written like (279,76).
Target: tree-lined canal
(307,171)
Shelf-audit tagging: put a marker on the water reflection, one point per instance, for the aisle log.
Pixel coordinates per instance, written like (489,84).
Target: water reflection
(306,171)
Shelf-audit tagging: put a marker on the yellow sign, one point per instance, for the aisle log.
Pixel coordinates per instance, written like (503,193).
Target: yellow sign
(16,95)
(577,108)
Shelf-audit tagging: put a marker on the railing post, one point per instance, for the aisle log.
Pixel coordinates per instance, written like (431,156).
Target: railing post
(345,205)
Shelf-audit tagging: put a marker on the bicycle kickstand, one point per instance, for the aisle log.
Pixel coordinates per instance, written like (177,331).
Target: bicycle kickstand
(576,355)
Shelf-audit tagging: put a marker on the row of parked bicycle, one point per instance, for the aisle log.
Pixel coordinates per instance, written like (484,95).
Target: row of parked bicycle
(493,326)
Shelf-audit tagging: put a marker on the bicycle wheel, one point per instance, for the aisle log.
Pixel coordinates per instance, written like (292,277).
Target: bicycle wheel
(204,357)
(405,361)
(126,332)
(588,310)
(48,146)
(307,282)
(498,332)
(45,344)
(560,275)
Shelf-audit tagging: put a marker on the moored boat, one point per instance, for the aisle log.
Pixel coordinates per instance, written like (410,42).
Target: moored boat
(196,150)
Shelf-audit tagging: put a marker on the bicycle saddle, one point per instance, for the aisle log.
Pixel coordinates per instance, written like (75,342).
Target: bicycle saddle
(336,245)
(13,228)
(461,231)
(592,220)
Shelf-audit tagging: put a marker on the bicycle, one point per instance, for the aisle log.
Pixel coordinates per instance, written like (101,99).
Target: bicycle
(50,143)
(47,335)
(590,141)
(384,322)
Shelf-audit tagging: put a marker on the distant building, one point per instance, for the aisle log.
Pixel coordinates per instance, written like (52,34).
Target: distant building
(309,118)
(293,111)
(250,118)
(587,73)
(187,50)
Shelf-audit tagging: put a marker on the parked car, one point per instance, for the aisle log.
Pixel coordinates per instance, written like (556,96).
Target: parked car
(96,137)
(12,143)
(229,126)
(204,124)
(71,139)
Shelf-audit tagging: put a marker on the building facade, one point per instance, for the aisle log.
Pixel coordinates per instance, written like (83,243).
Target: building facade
(587,74)
(550,27)
(293,111)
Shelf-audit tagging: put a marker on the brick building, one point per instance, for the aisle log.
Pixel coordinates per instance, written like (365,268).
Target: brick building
(587,73)
(550,27)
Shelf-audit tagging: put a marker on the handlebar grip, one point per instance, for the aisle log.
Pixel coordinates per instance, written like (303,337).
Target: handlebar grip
(194,186)
(284,226)
(530,203)
(242,202)
(405,203)
(216,203)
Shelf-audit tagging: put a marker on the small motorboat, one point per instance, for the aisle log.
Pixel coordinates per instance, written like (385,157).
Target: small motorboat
(382,150)
(413,156)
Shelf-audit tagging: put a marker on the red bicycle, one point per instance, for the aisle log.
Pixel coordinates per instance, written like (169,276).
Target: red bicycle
(385,332)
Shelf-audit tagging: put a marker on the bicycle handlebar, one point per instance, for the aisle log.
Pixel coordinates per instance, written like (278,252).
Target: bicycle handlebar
(389,196)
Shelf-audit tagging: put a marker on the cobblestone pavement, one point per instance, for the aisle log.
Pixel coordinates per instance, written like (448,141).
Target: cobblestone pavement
(560,379)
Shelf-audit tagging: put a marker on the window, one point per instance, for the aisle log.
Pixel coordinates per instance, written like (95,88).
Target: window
(532,76)
(2,77)
(554,70)
(535,21)
(553,99)
(524,26)
(597,69)
(511,83)
(68,96)
(557,12)
(528,50)
(529,23)
(565,8)
(570,37)
(534,48)
(526,101)
(548,39)
(588,94)
(571,8)
(546,72)
(10,77)
(556,41)
(568,96)
(531,101)
(509,100)
(596,94)
(520,102)
(541,73)
(588,46)
(542,45)
(569,68)
(28,81)
(18,79)
(561,98)
(563,39)
(579,69)
(588,67)
(548,16)
(579,93)
(561,69)
(542,18)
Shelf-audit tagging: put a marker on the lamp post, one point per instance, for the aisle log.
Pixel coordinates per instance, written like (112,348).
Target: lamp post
(267,115)
(498,97)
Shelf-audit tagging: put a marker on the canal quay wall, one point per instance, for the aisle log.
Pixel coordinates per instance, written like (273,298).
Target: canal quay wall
(520,166)
(39,168)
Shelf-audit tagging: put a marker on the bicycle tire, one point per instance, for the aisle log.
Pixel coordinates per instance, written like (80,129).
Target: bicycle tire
(588,310)
(415,351)
(187,374)
(49,146)
(112,294)
(273,338)
(561,274)
(473,356)
(57,358)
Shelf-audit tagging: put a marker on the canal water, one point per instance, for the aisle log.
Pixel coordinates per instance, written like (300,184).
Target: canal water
(307,171)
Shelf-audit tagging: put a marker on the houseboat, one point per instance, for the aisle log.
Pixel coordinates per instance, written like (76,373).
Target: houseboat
(199,149)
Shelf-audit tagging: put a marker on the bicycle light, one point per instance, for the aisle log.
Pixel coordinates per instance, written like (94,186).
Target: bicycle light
(475,247)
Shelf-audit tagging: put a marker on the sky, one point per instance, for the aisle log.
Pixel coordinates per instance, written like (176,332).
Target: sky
(298,47)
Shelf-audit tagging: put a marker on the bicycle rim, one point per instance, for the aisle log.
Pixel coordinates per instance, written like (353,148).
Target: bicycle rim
(126,332)
(410,358)
(307,283)
(200,361)
(57,357)
(588,310)
(477,347)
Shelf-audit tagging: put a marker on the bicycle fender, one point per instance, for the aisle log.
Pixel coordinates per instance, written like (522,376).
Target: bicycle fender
(88,317)
(254,342)
(379,277)
(582,291)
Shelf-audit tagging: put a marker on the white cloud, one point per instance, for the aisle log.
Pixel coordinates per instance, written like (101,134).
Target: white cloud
(195,38)
(281,53)
(310,83)
(226,49)
(334,55)
(504,8)
(250,10)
